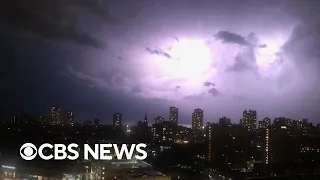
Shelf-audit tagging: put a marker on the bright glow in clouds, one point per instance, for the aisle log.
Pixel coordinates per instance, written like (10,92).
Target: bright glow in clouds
(267,55)
(191,59)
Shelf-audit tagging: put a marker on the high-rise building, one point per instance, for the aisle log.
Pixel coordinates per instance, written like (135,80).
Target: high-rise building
(117,120)
(249,119)
(197,119)
(143,132)
(174,115)
(163,132)
(158,119)
(284,145)
(145,120)
(262,142)
(264,129)
(267,146)
(197,126)
(265,123)
(227,146)
(68,117)
(301,125)
(182,135)
(55,115)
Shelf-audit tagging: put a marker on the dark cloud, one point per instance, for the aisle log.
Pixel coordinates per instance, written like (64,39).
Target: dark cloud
(262,46)
(304,42)
(252,40)
(159,52)
(245,61)
(228,37)
(50,19)
(208,84)
(232,38)
(213,92)
(84,79)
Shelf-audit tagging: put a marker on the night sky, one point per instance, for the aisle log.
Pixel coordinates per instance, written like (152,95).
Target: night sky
(100,57)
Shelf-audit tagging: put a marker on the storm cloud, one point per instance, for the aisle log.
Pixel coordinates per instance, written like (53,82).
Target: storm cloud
(208,84)
(228,37)
(268,56)
(158,52)
(52,19)
(213,92)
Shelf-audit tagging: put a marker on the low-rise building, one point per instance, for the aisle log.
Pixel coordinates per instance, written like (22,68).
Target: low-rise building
(12,173)
(126,169)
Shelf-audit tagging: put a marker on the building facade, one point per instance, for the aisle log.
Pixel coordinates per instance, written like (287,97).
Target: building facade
(174,115)
(249,119)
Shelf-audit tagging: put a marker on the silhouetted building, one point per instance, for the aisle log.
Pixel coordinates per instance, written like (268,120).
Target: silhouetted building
(168,132)
(301,125)
(96,122)
(117,120)
(68,117)
(145,120)
(227,146)
(55,115)
(197,125)
(183,135)
(88,122)
(174,115)
(264,139)
(43,119)
(262,145)
(158,119)
(197,119)
(265,123)
(125,169)
(224,121)
(249,119)
(14,119)
(284,145)
(21,119)
(163,132)
(143,131)
(281,122)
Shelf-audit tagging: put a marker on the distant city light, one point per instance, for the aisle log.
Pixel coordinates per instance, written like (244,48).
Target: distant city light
(8,167)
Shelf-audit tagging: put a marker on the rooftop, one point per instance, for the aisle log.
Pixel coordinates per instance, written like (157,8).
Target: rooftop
(128,164)
(137,174)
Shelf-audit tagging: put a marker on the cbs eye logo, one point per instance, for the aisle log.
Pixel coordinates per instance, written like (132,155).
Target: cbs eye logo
(28,151)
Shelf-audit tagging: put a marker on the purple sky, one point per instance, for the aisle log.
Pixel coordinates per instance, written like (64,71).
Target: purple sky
(101,57)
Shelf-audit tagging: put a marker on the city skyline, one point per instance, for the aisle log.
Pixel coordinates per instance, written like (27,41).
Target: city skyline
(143,57)
(209,89)
(196,120)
